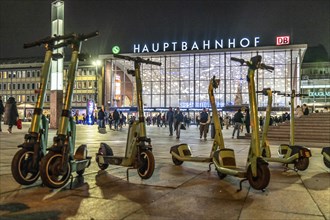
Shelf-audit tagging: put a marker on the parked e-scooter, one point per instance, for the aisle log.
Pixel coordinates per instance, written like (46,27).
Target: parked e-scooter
(256,170)
(25,163)
(182,152)
(296,154)
(60,161)
(138,154)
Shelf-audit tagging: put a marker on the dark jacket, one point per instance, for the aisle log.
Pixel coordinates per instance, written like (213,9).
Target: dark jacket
(11,113)
(170,116)
(2,108)
(238,117)
(116,116)
(101,115)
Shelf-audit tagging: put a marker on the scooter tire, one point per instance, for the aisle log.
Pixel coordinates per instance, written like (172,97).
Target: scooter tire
(176,161)
(262,179)
(301,163)
(147,165)
(104,151)
(21,167)
(326,162)
(50,171)
(221,175)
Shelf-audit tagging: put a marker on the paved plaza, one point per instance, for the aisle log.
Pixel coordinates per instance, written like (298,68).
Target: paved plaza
(187,192)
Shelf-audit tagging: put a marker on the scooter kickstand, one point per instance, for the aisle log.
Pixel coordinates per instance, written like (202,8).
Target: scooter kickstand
(127,176)
(240,184)
(71,181)
(210,164)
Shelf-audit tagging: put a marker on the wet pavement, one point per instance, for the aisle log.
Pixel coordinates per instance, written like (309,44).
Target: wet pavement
(188,191)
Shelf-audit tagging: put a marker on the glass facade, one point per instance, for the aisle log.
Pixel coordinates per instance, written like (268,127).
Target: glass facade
(183,79)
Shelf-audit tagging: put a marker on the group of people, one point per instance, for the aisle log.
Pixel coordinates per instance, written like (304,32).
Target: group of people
(10,113)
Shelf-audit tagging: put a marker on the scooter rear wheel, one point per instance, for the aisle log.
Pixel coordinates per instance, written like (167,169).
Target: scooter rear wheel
(147,164)
(262,179)
(176,161)
(301,163)
(22,167)
(104,150)
(50,171)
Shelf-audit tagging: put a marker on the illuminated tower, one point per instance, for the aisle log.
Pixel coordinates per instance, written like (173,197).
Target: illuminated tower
(56,93)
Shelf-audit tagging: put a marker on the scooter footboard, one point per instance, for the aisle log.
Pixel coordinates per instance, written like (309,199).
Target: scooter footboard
(225,157)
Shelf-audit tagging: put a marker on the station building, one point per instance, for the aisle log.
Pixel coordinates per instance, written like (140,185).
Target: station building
(181,81)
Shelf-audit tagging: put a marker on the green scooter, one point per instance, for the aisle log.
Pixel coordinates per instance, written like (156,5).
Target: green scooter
(25,163)
(291,153)
(60,161)
(182,152)
(256,170)
(138,154)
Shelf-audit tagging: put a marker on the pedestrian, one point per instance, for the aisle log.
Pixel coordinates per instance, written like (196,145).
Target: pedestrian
(298,112)
(101,117)
(305,109)
(11,113)
(227,119)
(204,121)
(178,121)
(116,119)
(110,119)
(170,119)
(237,120)
(2,110)
(247,120)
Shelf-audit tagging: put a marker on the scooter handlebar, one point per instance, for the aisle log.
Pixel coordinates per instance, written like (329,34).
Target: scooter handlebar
(241,61)
(48,40)
(137,59)
(264,66)
(83,37)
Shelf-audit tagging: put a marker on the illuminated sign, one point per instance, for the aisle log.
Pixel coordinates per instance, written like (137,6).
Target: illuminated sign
(115,49)
(282,40)
(202,45)
(319,94)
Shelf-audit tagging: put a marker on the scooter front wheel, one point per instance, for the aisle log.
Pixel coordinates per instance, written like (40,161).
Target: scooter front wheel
(301,163)
(147,164)
(51,171)
(326,162)
(262,179)
(22,167)
(176,161)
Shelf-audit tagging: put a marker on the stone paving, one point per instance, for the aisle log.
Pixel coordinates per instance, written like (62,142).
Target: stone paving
(188,191)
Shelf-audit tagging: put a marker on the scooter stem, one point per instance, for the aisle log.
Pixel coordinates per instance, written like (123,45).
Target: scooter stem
(293,95)
(139,98)
(35,125)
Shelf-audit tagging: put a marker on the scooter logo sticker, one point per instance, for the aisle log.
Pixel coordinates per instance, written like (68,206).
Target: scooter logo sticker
(115,49)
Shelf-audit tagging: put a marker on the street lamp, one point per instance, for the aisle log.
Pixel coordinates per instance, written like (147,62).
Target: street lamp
(96,63)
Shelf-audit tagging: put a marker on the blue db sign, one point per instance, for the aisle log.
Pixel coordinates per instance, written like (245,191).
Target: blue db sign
(282,40)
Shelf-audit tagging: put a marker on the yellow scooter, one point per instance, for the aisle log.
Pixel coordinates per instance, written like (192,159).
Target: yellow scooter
(291,153)
(256,170)
(182,152)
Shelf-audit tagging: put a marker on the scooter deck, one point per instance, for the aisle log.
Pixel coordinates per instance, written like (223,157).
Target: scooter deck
(111,159)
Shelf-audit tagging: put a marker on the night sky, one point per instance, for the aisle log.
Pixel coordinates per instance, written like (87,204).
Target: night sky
(127,22)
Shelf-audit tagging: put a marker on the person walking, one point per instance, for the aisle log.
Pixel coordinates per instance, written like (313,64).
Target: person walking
(178,121)
(11,113)
(170,119)
(227,119)
(2,110)
(101,117)
(110,119)
(204,123)
(116,119)
(237,120)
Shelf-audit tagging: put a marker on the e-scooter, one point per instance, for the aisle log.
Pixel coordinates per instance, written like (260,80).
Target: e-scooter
(182,152)
(296,154)
(25,163)
(326,156)
(256,171)
(60,161)
(138,154)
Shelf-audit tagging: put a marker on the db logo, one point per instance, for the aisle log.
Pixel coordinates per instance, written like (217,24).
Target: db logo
(282,40)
